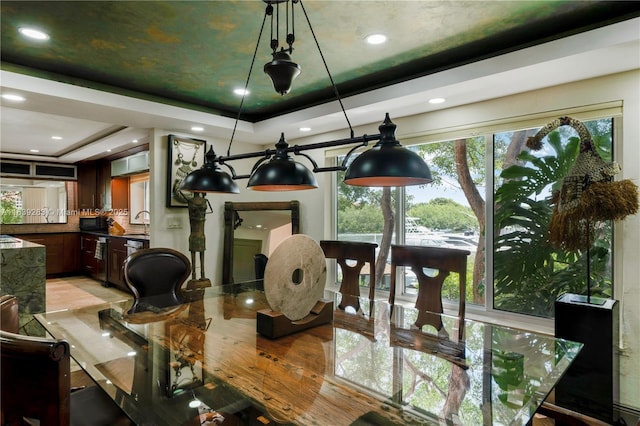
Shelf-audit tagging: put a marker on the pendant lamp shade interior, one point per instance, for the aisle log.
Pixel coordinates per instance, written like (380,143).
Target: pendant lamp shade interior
(388,163)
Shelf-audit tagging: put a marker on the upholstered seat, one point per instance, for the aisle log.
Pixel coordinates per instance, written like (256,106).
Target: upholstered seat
(155,277)
(36,387)
(361,253)
(429,299)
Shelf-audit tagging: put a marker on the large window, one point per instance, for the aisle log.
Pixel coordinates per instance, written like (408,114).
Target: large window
(361,217)
(528,274)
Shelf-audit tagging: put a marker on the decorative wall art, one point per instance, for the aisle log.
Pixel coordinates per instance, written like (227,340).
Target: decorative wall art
(185,155)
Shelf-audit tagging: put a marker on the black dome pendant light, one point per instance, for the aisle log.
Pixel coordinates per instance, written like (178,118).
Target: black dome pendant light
(388,163)
(209,178)
(281,173)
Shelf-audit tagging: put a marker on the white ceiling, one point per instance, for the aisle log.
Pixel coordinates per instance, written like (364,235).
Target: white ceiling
(91,121)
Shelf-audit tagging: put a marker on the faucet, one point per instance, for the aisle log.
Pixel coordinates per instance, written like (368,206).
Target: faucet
(146,231)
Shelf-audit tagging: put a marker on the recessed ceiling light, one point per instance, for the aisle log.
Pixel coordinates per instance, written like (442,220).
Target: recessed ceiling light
(376,38)
(305,129)
(436,100)
(134,141)
(33,33)
(241,92)
(108,150)
(13,97)
(34,150)
(197,129)
(57,138)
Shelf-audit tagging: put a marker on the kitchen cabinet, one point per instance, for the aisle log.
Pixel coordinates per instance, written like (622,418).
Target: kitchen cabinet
(94,186)
(71,252)
(118,249)
(87,178)
(117,252)
(120,193)
(88,245)
(62,251)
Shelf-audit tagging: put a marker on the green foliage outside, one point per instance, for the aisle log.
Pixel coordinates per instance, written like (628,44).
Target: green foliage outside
(529,274)
(444,214)
(10,213)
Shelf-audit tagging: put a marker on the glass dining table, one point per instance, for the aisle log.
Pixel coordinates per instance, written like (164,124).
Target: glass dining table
(203,362)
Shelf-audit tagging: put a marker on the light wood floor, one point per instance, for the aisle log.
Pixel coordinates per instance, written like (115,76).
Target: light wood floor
(79,291)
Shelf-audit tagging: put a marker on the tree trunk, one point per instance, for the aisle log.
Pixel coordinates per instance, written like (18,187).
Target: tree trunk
(477,204)
(387,233)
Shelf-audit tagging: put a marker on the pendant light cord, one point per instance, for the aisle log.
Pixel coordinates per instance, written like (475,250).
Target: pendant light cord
(335,89)
(268,11)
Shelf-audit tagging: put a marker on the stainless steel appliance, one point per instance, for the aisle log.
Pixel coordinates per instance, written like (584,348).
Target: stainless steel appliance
(101,260)
(133,246)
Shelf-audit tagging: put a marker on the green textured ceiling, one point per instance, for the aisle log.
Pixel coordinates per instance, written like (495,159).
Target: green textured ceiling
(193,53)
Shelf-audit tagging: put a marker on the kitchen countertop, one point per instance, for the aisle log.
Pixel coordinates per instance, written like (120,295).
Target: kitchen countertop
(9,242)
(139,237)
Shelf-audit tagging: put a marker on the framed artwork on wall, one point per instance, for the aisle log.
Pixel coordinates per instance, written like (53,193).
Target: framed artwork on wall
(185,156)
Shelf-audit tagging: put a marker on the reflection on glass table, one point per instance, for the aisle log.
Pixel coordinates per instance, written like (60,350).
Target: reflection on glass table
(204,360)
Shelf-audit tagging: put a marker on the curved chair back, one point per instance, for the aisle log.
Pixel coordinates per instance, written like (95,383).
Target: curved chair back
(445,261)
(362,253)
(35,379)
(36,386)
(155,277)
(9,320)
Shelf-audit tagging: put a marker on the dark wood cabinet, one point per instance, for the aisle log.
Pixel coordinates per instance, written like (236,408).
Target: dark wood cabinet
(62,253)
(94,186)
(117,252)
(107,267)
(89,262)
(71,255)
(87,178)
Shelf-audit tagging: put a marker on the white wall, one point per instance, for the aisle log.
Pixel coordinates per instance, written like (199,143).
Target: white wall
(316,221)
(162,236)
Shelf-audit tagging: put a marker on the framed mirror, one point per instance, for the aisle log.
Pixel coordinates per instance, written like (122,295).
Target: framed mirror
(252,229)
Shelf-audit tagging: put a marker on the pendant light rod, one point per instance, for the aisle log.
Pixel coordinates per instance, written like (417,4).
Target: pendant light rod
(268,11)
(361,141)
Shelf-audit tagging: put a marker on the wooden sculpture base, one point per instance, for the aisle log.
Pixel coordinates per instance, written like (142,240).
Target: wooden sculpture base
(198,283)
(273,324)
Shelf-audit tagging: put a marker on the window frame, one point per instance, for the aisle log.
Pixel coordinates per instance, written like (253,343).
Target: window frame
(487,312)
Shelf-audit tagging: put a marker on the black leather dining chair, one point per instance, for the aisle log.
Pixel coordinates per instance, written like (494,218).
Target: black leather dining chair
(361,253)
(9,319)
(429,299)
(155,277)
(36,387)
